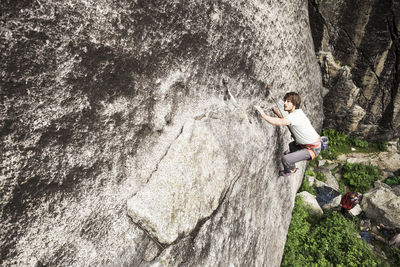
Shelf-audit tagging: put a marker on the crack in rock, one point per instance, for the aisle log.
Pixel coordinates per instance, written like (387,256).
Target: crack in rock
(182,193)
(199,225)
(163,156)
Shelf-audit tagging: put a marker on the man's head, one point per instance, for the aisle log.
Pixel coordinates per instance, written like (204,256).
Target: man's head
(292,101)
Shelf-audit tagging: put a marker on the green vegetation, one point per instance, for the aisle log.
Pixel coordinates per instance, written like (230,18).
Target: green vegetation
(341,143)
(319,176)
(313,163)
(393,181)
(359,143)
(305,186)
(330,240)
(392,253)
(359,177)
(356,177)
(342,187)
(383,146)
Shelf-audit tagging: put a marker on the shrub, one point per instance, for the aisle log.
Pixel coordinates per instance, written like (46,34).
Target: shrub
(383,146)
(338,143)
(336,138)
(330,153)
(359,143)
(296,237)
(318,175)
(360,177)
(327,241)
(392,181)
(342,187)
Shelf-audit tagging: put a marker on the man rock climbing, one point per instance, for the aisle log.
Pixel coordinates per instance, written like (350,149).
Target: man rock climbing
(307,144)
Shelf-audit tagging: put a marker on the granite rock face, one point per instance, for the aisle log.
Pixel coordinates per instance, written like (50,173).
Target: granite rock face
(121,147)
(358,46)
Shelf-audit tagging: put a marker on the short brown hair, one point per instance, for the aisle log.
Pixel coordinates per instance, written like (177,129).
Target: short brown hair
(294,98)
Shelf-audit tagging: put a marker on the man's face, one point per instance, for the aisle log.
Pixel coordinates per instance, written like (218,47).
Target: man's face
(288,105)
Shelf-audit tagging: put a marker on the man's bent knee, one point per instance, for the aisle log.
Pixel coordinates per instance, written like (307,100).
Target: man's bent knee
(287,164)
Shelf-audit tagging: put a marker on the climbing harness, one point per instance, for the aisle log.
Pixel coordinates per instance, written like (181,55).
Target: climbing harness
(313,148)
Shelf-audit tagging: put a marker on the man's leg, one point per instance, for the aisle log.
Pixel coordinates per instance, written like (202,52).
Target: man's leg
(290,159)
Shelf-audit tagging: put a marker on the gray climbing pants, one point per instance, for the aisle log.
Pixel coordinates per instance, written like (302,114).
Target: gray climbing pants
(295,154)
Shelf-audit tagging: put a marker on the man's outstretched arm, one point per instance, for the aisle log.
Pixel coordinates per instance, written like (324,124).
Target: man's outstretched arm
(276,111)
(273,120)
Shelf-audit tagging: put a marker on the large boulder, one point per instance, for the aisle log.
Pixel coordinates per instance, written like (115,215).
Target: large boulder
(327,197)
(382,205)
(120,145)
(396,190)
(310,201)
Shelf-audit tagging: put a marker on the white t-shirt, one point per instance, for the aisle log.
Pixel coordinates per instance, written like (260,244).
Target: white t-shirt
(301,127)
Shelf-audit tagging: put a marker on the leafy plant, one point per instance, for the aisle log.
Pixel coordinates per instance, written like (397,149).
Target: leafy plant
(297,236)
(342,187)
(327,241)
(392,181)
(335,138)
(338,143)
(359,143)
(318,175)
(383,146)
(331,153)
(360,177)
(305,186)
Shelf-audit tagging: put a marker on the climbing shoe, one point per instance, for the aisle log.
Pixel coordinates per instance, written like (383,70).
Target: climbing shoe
(284,173)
